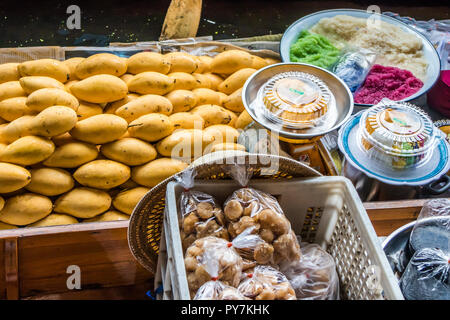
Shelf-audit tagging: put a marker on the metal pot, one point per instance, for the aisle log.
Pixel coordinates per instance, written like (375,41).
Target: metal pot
(370,189)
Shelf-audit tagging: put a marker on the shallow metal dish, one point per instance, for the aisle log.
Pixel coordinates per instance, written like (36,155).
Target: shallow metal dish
(305,23)
(342,103)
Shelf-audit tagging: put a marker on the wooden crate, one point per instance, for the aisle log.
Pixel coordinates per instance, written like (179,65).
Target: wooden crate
(33,262)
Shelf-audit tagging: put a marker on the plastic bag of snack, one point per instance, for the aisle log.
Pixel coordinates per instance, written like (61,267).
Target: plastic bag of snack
(252,247)
(314,275)
(248,207)
(201,216)
(212,258)
(217,290)
(354,65)
(266,283)
(427,276)
(432,229)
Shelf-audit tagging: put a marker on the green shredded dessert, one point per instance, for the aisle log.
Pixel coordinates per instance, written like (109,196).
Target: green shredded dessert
(314,49)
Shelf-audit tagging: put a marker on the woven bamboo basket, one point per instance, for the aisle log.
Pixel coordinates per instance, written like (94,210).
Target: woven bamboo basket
(144,231)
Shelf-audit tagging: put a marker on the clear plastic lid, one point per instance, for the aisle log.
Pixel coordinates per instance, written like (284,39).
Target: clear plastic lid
(295,100)
(444,126)
(399,133)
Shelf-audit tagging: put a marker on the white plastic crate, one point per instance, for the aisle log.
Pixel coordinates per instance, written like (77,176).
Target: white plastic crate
(323,210)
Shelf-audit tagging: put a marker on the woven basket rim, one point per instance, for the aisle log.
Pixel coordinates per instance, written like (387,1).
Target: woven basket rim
(136,240)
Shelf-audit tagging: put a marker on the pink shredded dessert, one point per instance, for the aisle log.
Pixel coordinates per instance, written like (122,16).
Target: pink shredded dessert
(387,82)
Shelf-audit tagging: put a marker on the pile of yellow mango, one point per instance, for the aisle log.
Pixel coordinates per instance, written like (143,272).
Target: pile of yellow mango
(86,138)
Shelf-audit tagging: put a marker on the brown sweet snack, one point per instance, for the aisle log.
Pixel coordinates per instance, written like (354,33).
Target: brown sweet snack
(248,264)
(189,223)
(205,210)
(243,224)
(230,293)
(286,248)
(217,290)
(269,219)
(266,283)
(251,208)
(190,263)
(216,260)
(245,194)
(201,274)
(207,228)
(218,214)
(284,291)
(313,276)
(187,240)
(233,210)
(201,215)
(194,250)
(266,294)
(263,253)
(193,282)
(222,233)
(267,235)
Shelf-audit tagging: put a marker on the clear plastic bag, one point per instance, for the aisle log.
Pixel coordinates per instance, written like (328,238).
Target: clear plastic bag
(217,290)
(252,247)
(354,65)
(314,276)
(432,229)
(212,258)
(438,32)
(201,216)
(251,208)
(427,276)
(266,283)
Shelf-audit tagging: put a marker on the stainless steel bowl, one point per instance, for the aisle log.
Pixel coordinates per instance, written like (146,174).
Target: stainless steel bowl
(396,248)
(341,104)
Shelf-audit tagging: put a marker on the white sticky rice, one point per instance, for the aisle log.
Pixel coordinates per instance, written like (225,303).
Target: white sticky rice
(393,46)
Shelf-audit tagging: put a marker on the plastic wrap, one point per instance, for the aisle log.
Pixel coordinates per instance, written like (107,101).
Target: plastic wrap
(217,290)
(252,247)
(266,283)
(212,258)
(427,276)
(201,216)
(432,229)
(251,208)
(438,32)
(314,276)
(354,65)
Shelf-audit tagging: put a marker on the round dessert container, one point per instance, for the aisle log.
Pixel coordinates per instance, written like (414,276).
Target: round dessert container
(297,101)
(397,134)
(383,169)
(444,126)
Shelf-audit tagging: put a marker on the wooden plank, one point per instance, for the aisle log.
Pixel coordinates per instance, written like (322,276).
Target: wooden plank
(2,270)
(79,227)
(135,292)
(387,216)
(11,268)
(102,255)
